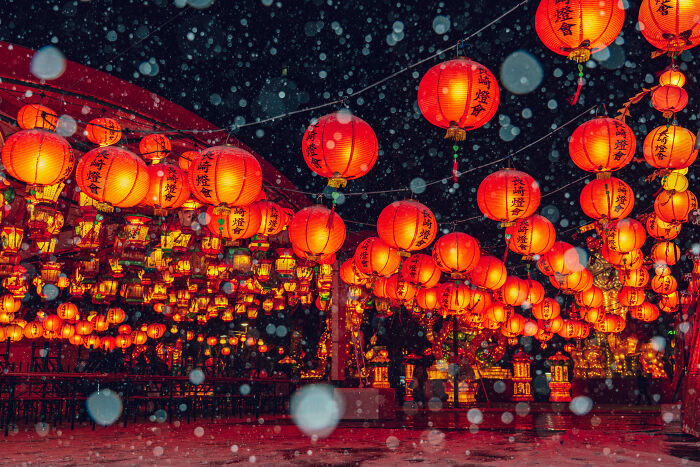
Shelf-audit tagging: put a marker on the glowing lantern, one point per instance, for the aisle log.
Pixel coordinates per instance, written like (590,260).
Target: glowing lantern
(675,182)
(535,293)
(14,332)
(627,261)
(673,207)
(547,309)
(420,269)
(669,303)
(33,330)
(554,325)
(669,100)
(670,147)
(9,304)
(577,281)
(374,257)
(592,297)
(508,195)
(514,291)
(456,253)
(52,323)
(272,218)
(611,324)
(317,230)
(184,161)
(607,199)
(351,275)
(661,230)
(629,296)
(242,222)
(122,341)
(83,328)
(497,312)
(670,26)
(625,235)
(602,145)
(664,285)
(38,157)
(665,253)
(225,176)
(531,236)
(400,289)
(104,131)
(115,315)
(139,337)
(427,299)
(155,330)
(37,116)
(114,176)
(168,187)
(67,331)
(489,272)
(634,278)
(458,95)
(478,301)
(154,147)
(124,329)
(645,312)
(407,225)
(67,310)
(562,259)
(515,324)
(340,147)
(453,298)
(592,315)
(672,77)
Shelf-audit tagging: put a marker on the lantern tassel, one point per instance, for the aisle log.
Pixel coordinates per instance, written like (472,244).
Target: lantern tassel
(454,170)
(574,99)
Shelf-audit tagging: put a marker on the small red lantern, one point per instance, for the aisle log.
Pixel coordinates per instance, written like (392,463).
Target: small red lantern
(155,147)
(374,257)
(607,199)
(508,195)
(674,207)
(38,157)
(626,235)
(104,131)
(670,147)
(669,99)
(489,272)
(407,225)
(602,145)
(670,26)
(531,236)
(37,116)
(420,269)
(456,253)
(317,230)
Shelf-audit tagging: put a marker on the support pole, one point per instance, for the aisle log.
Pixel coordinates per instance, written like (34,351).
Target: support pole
(455,353)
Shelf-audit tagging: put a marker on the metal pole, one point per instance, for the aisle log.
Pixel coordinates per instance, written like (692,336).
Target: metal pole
(455,353)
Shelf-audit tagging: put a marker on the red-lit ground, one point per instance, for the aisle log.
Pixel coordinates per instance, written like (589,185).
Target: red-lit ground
(613,435)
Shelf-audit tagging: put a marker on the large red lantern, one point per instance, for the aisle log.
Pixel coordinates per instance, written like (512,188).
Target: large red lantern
(531,236)
(508,195)
(456,254)
(535,293)
(670,25)
(427,299)
(634,278)
(38,157)
(602,145)
(407,225)
(547,309)
(420,269)
(666,253)
(629,296)
(513,292)
(644,312)
(375,258)
(33,116)
(562,259)
(661,230)
(607,199)
(489,273)
(272,218)
(316,230)
(611,324)
(155,147)
(400,289)
(244,222)
(626,235)
(458,95)
(340,147)
(669,99)
(498,312)
(453,298)
(351,275)
(670,147)
(664,285)
(591,297)
(168,187)
(577,281)
(673,207)
(624,261)
(114,176)
(226,176)
(104,131)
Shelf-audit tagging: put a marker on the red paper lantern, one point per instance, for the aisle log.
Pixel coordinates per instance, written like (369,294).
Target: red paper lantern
(497,312)
(625,235)
(592,297)
(155,147)
(400,289)
(672,77)
(666,253)
(669,99)
(407,225)
(629,296)
(104,131)
(340,147)
(670,25)
(611,324)
(576,28)
(226,175)
(607,199)
(38,157)
(514,291)
(168,187)
(114,176)
(375,258)
(674,207)
(531,236)
(453,298)
(634,278)
(37,116)
(661,230)
(547,309)
(562,259)
(489,273)
(272,218)
(351,274)
(317,231)
(577,281)
(535,293)
(508,195)
(664,285)
(670,147)
(515,324)
(456,254)
(602,145)
(644,312)
(427,299)
(186,158)
(243,222)
(420,269)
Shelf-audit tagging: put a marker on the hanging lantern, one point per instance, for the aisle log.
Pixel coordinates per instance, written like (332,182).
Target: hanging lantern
(114,176)
(351,274)
(625,235)
(515,324)
(400,289)
(67,311)
(453,298)
(428,299)
(675,182)
(508,195)
(272,218)
(226,176)
(456,253)
(155,147)
(535,293)
(669,303)
(531,236)
(52,323)
(33,330)
(497,312)
(317,230)
(155,330)
(670,25)
(489,272)
(546,310)
(407,225)
(374,257)
(67,331)
(458,95)
(666,253)
(592,315)
(664,285)
(577,281)
(611,324)
(115,315)
(104,131)
(607,199)
(168,188)
(634,278)
(674,207)
(514,291)
(420,269)
(669,100)
(122,341)
(241,222)
(139,337)
(37,116)
(38,157)
(340,147)
(661,230)
(602,145)
(645,312)
(83,327)
(670,147)
(184,161)
(672,77)
(561,259)
(625,261)
(629,296)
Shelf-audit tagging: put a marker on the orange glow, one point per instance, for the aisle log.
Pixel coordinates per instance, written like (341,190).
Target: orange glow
(490,273)
(670,147)
(374,257)
(602,145)
(104,131)
(225,175)
(607,199)
(514,291)
(663,28)
(316,230)
(37,116)
(530,236)
(421,269)
(407,225)
(669,99)
(38,157)
(592,297)
(456,253)
(508,195)
(547,309)
(168,187)
(154,147)
(673,207)
(626,235)
(666,253)
(272,218)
